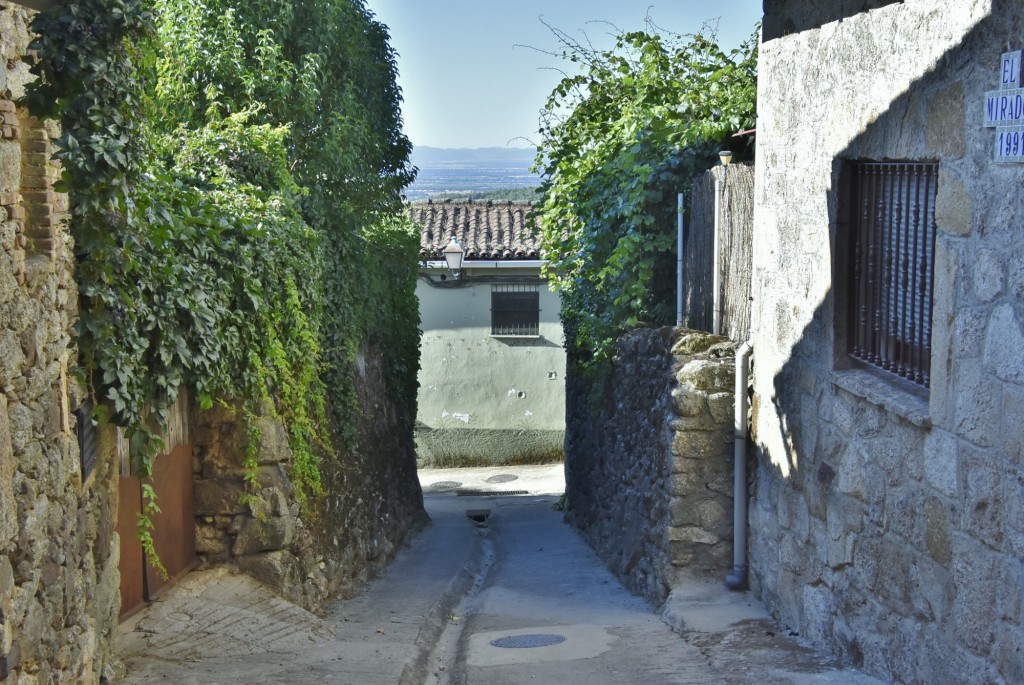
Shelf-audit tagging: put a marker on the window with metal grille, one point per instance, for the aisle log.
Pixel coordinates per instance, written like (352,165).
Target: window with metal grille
(892,243)
(515,310)
(88,439)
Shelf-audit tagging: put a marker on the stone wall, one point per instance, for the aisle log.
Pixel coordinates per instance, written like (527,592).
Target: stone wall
(372,508)
(887,521)
(649,458)
(58,550)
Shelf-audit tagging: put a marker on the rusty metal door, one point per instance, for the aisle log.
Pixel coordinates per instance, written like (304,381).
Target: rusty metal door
(174,528)
(131,565)
(174,533)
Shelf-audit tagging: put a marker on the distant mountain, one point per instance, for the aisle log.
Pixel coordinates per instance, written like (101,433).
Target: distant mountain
(439,155)
(470,170)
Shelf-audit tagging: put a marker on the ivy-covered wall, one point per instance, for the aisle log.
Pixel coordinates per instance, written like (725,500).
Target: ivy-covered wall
(232,188)
(372,502)
(232,170)
(622,134)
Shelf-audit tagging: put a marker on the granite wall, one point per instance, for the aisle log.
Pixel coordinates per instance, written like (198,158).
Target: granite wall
(887,521)
(648,465)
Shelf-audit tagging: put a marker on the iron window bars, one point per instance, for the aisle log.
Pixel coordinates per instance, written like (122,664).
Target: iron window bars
(515,310)
(893,247)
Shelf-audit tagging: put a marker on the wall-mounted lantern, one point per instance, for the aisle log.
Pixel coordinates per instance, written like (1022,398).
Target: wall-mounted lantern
(453,254)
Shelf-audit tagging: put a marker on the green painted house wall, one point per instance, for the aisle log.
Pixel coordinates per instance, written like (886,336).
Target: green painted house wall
(484,399)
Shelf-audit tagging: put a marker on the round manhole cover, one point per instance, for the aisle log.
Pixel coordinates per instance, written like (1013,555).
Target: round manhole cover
(526,641)
(443,485)
(502,478)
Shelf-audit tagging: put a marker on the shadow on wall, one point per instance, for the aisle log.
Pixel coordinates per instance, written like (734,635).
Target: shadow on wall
(539,341)
(859,549)
(811,14)
(934,133)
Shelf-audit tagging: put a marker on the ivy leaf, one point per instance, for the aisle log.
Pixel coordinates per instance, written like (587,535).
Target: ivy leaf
(614,153)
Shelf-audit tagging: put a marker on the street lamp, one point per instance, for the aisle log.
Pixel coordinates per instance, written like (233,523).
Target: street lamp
(725,156)
(453,254)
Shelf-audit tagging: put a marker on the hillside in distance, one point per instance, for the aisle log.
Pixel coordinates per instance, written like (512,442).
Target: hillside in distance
(470,170)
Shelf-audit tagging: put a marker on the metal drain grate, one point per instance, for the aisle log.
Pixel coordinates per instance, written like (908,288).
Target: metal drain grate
(491,493)
(442,485)
(503,478)
(527,641)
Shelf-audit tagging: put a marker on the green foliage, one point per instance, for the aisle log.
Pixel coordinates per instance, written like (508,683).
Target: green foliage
(231,185)
(619,140)
(87,76)
(144,529)
(327,71)
(88,52)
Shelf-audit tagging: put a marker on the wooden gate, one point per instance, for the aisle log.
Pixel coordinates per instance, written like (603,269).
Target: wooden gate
(174,533)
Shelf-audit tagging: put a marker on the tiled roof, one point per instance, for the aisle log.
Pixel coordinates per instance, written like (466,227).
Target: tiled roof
(485,229)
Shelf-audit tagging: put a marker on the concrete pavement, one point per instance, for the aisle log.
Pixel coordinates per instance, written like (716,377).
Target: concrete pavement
(519,577)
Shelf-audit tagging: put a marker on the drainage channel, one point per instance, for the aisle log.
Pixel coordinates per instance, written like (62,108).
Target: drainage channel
(443,658)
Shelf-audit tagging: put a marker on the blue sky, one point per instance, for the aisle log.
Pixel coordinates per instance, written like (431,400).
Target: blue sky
(467,84)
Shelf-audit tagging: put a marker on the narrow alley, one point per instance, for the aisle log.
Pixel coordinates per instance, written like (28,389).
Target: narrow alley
(287,287)
(465,604)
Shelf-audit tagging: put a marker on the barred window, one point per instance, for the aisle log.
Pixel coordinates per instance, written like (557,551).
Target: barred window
(88,439)
(515,310)
(892,243)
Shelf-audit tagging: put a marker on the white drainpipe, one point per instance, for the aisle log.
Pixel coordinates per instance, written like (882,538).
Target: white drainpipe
(680,265)
(737,580)
(716,317)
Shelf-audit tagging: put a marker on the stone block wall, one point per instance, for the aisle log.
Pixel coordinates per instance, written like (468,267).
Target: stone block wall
(649,458)
(58,549)
(701,491)
(372,508)
(887,521)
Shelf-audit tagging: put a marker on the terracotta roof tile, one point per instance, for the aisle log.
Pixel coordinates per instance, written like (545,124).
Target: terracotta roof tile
(486,230)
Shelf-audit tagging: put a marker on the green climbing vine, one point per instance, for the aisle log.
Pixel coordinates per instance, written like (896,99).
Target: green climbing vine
(619,139)
(232,190)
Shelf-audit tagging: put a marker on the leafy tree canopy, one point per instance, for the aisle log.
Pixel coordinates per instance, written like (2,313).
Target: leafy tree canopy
(619,138)
(233,168)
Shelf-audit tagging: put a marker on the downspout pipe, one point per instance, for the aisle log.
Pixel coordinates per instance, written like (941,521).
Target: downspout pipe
(737,580)
(716,305)
(680,263)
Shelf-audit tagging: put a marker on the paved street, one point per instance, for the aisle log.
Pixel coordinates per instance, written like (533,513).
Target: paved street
(520,577)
